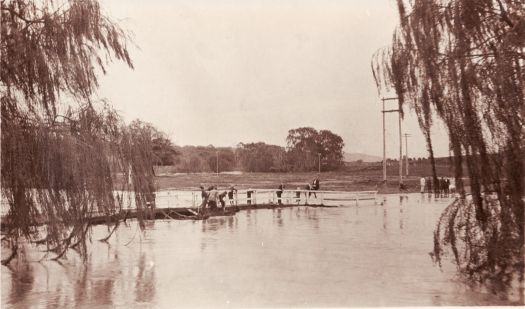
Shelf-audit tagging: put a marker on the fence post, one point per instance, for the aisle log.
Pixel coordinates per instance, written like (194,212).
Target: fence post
(356,198)
(307,194)
(322,198)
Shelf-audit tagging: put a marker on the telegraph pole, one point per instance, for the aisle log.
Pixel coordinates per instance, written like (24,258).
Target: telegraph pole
(406,151)
(400,139)
(319,154)
(384,142)
(217,163)
(400,148)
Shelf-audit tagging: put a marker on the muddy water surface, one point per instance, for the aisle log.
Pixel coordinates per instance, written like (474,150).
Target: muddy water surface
(366,255)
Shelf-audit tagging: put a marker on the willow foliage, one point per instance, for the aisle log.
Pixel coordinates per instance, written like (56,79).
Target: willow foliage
(464,61)
(64,157)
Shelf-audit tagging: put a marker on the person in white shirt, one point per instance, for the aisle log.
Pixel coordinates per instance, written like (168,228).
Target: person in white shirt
(452,185)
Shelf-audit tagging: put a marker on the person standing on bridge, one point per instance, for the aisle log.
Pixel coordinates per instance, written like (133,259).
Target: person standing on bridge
(203,192)
(298,195)
(212,198)
(280,193)
(230,194)
(315,185)
(204,196)
(249,196)
(222,195)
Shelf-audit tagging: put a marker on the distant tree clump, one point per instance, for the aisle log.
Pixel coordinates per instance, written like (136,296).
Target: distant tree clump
(164,152)
(464,62)
(261,157)
(306,146)
(198,159)
(63,154)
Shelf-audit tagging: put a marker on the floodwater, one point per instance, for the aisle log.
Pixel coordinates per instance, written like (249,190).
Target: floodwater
(365,255)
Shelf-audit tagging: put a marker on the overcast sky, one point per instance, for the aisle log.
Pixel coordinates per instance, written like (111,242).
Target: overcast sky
(223,72)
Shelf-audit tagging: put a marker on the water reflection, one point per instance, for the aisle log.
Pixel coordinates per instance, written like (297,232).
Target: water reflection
(277,219)
(145,280)
(401,215)
(103,290)
(212,225)
(232,223)
(21,280)
(81,286)
(385,219)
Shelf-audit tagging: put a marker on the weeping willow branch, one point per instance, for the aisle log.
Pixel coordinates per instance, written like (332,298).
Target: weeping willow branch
(63,162)
(461,60)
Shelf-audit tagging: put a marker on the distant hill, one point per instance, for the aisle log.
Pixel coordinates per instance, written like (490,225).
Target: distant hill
(352,157)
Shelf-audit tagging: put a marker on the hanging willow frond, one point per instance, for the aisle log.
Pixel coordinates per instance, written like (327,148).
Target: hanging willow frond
(464,61)
(63,162)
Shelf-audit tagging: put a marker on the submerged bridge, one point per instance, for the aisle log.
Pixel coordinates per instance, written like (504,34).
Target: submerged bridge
(267,197)
(175,204)
(186,204)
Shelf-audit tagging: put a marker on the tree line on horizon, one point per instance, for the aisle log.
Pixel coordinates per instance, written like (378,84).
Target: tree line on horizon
(306,147)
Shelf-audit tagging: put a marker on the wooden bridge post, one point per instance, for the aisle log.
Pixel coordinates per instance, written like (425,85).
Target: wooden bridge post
(307,195)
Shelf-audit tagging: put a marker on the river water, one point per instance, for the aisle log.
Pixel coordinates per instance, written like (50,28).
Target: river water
(365,255)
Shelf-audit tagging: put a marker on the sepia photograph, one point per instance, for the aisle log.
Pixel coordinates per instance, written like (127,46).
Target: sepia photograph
(262,153)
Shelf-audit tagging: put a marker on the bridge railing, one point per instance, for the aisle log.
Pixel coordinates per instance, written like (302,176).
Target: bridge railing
(247,197)
(192,198)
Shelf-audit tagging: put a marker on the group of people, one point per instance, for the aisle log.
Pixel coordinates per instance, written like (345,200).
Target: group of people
(442,187)
(212,197)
